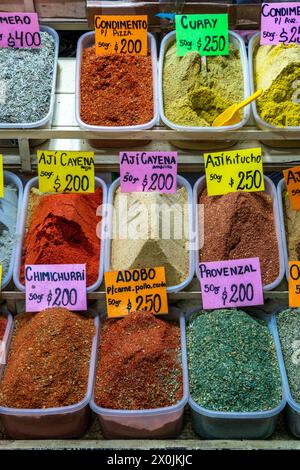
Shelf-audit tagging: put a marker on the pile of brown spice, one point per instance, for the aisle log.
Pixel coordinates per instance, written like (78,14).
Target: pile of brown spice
(139,363)
(241,225)
(49,360)
(115,90)
(3,323)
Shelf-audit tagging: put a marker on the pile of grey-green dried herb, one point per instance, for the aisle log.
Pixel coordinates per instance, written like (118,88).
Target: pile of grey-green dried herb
(232,362)
(25,82)
(288,323)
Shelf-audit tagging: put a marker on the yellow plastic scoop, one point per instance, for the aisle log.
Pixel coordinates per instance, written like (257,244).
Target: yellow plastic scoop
(231,115)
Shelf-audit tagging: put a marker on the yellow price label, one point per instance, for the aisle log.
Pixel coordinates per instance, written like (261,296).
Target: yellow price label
(235,170)
(294,283)
(1,177)
(135,290)
(66,172)
(121,34)
(292,181)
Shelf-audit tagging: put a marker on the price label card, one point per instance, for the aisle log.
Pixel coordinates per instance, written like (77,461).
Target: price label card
(71,172)
(236,170)
(206,34)
(55,285)
(294,283)
(121,34)
(19,30)
(280,22)
(148,172)
(292,181)
(135,290)
(232,283)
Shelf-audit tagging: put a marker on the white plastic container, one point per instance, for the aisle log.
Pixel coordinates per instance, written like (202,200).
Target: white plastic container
(158,423)
(33,183)
(88,40)
(56,423)
(293,408)
(211,424)
(181,182)
(238,42)
(281,187)
(285,132)
(12,179)
(47,120)
(270,189)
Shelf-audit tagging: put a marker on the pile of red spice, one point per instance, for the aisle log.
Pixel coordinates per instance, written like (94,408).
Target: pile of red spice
(62,229)
(116,90)
(3,323)
(49,360)
(139,363)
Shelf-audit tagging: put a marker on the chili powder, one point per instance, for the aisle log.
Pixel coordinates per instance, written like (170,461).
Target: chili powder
(139,363)
(49,360)
(116,90)
(62,229)
(3,323)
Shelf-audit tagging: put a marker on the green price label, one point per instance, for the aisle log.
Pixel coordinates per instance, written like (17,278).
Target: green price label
(206,34)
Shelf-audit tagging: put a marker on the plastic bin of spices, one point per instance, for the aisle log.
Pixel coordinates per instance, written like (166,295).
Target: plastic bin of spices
(88,40)
(238,42)
(10,212)
(22,227)
(270,190)
(186,233)
(281,189)
(211,424)
(284,132)
(293,407)
(5,338)
(156,423)
(61,422)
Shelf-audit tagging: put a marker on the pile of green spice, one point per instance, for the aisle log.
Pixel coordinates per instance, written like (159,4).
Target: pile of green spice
(232,362)
(288,323)
(139,363)
(26,82)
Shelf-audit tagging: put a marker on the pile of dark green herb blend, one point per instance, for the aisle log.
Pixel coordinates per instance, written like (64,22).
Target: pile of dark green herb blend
(288,323)
(232,362)
(25,82)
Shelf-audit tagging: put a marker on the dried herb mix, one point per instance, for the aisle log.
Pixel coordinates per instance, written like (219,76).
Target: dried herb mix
(49,360)
(288,323)
(246,229)
(232,362)
(139,363)
(116,90)
(26,81)
(62,229)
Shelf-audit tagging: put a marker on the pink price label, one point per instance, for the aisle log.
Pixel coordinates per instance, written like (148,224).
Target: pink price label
(148,172)
(280,22)
(232,283)
(55,285)
(19,30)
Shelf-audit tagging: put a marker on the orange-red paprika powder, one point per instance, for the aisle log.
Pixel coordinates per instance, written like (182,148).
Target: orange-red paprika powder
(3,323)
(62,229)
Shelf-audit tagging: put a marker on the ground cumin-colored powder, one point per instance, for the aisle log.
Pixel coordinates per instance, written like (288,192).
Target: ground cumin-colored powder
(241,225)
(139,363)
(49,360)
(3,323)
(115,90)
(62,229)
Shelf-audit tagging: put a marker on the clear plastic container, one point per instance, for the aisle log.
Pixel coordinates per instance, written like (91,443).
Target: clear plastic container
(270,189)
(281,187)
(181,182)
(47,120)
(285,132)
(239,43)
(293,408)
(158,423)
(11,179)
(33,183)
(88,40)
(241,425)
(52,423)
